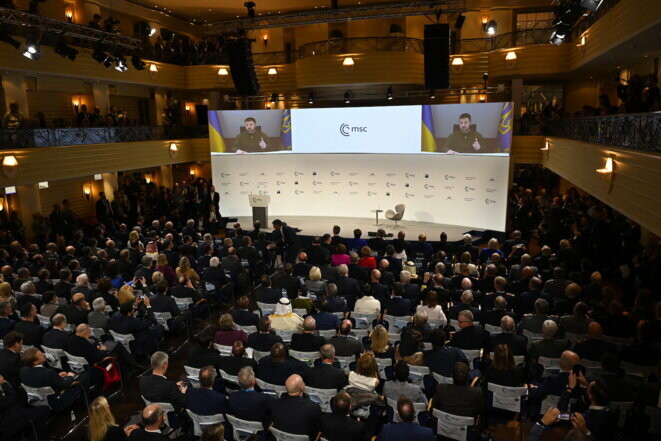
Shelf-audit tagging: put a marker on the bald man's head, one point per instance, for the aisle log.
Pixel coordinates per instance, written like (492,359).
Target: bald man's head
(295,385)
(595,331)
(78,297)
(507,324)
(309,324)
(345,327)
(568,359)
(82,330)
(152,416)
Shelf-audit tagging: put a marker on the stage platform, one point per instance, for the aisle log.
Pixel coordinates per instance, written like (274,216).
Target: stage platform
(318,226)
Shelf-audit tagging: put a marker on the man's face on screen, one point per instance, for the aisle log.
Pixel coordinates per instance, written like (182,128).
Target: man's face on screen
(250,126)
(464,125)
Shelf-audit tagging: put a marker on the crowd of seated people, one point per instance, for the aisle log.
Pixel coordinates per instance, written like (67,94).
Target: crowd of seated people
(404,335)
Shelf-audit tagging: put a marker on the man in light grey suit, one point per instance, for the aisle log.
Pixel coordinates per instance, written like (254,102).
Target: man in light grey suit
(401,386)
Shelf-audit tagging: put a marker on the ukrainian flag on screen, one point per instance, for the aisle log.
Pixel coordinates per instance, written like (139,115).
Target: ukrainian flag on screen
(216,140)
(505,127)
(285,129)
(428,140)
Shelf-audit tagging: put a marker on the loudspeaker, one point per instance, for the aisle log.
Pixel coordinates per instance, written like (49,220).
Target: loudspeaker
(242,67)
(437,56)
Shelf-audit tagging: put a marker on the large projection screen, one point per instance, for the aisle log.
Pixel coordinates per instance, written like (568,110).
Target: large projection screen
(448,164)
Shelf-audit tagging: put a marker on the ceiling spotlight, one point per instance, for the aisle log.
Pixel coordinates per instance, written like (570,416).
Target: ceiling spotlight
(311,98)
(490,27)
(64,50)
(347,96)
(152,31)
(120,63)
(592,5)
(32,51)
(558,36)
(389,93)
(274,97)
(138,64)
(250,6)
(432,94)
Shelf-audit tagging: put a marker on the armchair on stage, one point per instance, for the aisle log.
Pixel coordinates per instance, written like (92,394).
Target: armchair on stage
(396,215)
(260,207)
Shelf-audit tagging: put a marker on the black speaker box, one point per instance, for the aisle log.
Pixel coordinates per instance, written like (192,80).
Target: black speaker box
(242,67)
(437,56)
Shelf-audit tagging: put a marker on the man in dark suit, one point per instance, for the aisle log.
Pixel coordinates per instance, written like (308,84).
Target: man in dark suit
(231,262)
(233,363)
(58,335)
(153,418)
(518,344)
(103,209)
(339,426)
(156,388)
(346,345)
(302,267)
(324,375)
(146,333)
(441,358)
(267,294)
(332,303)
(15,418)
(242,315)
(248,404)
(286,241)
(347,287)
(527,299)
(163,302)
(29,325)
(595,346)
(397,305)
(468,247)
(533,323)
(293,413)
(204,400)
(549,346)
(77,312)
(317,255)
(459,398)
(285,280)
(555,384)
(202,352)
(63,287)
(307,341)
(470,336)
(263,339)
(395,263)
(493,316)
(465,305)
(278,366)
(357,272)
(407,429)
(378,244)
(379,291)
(10,358)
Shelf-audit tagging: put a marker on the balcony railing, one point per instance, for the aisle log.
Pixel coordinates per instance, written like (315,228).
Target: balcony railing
(52,137)
(503,41)
(361,45)
(638,131)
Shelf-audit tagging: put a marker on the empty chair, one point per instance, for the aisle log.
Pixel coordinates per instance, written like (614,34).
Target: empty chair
(382,364)
(201,422)
(507,398)
(305,357)
(363,320)
(124,339)
(162,319)
(77,364)
(397,214)
(244,429)
(322,397)
(440,379)
(452,426)
(279,435)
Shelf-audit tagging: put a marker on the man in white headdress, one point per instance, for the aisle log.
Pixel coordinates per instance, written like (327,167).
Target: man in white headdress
(284,319)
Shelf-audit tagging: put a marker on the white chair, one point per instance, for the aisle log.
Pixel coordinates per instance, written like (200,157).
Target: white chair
(395,324)
(300,311)
(592,368)
(285,334)
(625,407)
(454,323)
(327,333)
(278,389)
(229,378)
(574,338)
(201,422)
(472,354)
(436,323)
(492,329)
(549,402)
(363,319)
(244,429)
(97,332)
(266,308)
(77,364)
(43,321)
(54,356)
(223,349)
(345,362)
(24,348)
(258,355)
(518,359)
(417,408)
(394,337)
(507,398)
(396,215)
(124,339)
(38,396)
(162,319)
(305,357)
(165,407)
(440,379)
(279,435)
(417,373)
(183,303)
(638,370)
(532,336)
(452,426)
(247,329)
(427,346)
(382,364)
(322,397)
(360,333)
(550,365)
(193,375)
(339,315)
(618,341)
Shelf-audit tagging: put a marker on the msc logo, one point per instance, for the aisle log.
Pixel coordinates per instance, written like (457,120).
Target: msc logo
(448,177)
(428,186)
(346,129)
(467,188)
(409,195)
(489,201)
(298,192)
(241,183)
(298,173)
(352,183)
(390,184)
(410,175)
(316,182)
(280,182)
(334,173)
(222,175)
(371,193)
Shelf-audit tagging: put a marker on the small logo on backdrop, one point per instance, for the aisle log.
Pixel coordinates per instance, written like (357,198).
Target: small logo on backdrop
(222,175)
(295,182)
(388,194)
(226,193)
(448,187)
(469,199)
(429,196)
(390,175)
(224,183)
(467,188)
(410,175)
(427,176)
(262,174)
(278,192)
(409,195)
(372,174)
(353,192)
(371,193)
(241,183)
(449,198)
(428,186)
(262,183)
(280,182)
(334,173)
(492,179)
(491,190)
(353,174)
(243,174)
(336,192)
(316,182)
(469,178)
(347,130)
(489,201)
(390,184)
(371,184)
(352,183)
(298,173)
(299,191)
(406,185)
(448,177)
(245,192)
(280,173)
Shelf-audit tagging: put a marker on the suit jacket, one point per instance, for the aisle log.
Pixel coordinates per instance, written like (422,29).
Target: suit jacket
(398,306)
(268,295)
(157,389)
(55,338)
(534,323)
(6,325)
(336,304)
(74,315)
(243,317)
(10,364)
(205,401)
(307,342)
(31,331)
(318,255)
(325,376)
(394,389)
(302,269)
(342,428)
(232,364)
(198,357)
(263,342)
(346,346)
(441,360)
(459,400)
(575,325)
(296,415)
(472,337)
(548,348)
(44,377)
(164,303)
(278,372)
(141,434)
(594,349)
(81,347)
(28,298)
(359,273)
(348,287)
(251,405)
(408,431)
(518,343)
(63,289)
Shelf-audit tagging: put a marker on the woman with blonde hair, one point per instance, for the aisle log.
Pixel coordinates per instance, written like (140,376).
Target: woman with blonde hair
(102,425)
(126,294)
(184,269)
(315,284)
(380,344)
(366,376)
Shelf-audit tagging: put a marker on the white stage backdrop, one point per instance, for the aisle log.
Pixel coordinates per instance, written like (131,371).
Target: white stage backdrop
(446,189)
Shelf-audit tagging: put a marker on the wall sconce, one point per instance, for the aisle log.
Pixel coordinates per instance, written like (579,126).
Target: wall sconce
(223,74)
(9,166)
(457,64)
(265,39)
(483,98)
(2,203)
(173,150)
(490,28)
(272,73)
(68,13)
(546,146)
(608,167)
(581,42)
(87,191)
(348,64)
(192,172)
(148,178)
(187,109)
(153,70)
(42,185)
(510,59)
(485,20)
(75,101)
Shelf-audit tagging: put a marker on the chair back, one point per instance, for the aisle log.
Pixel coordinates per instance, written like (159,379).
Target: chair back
(229,378)
(549,402)
(360,333)
(345,361)
(327,333)
(532,336)
(77,364)
(399,208)
(258,355)
(417,373)
(395,324)
(38,396)
(382,364)
(454,323)
(266,308)
(452,426)
(162,319)
(278,389)
(435,323)
(165,407)
(183,303)
(124,339)
(24,348)
(306,357)
(244,429)
(618,341)
(285,334)
(223,349)
(279,435)
(655,419)
(638,370)
(54,356)
(193,375)
(247,329)
(574,338)
(625,407)
(97,332)
(300,311)
(507,398)
(550,365)
(44,321)
(471,354)
(201,422)
(363,319)
(322,397)
(440,379)
(493,329)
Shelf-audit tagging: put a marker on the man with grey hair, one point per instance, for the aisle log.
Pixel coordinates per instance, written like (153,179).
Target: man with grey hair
(347,287)
(324,375)
(469,336)
(146,268)
(205,400)
(533,323)
(156,388)
(82,286)
(247,403)
(97,318)
(549,346)
(28,289)
(57,336)
(307,341)
(465,305)
(308,413)
(518,344)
